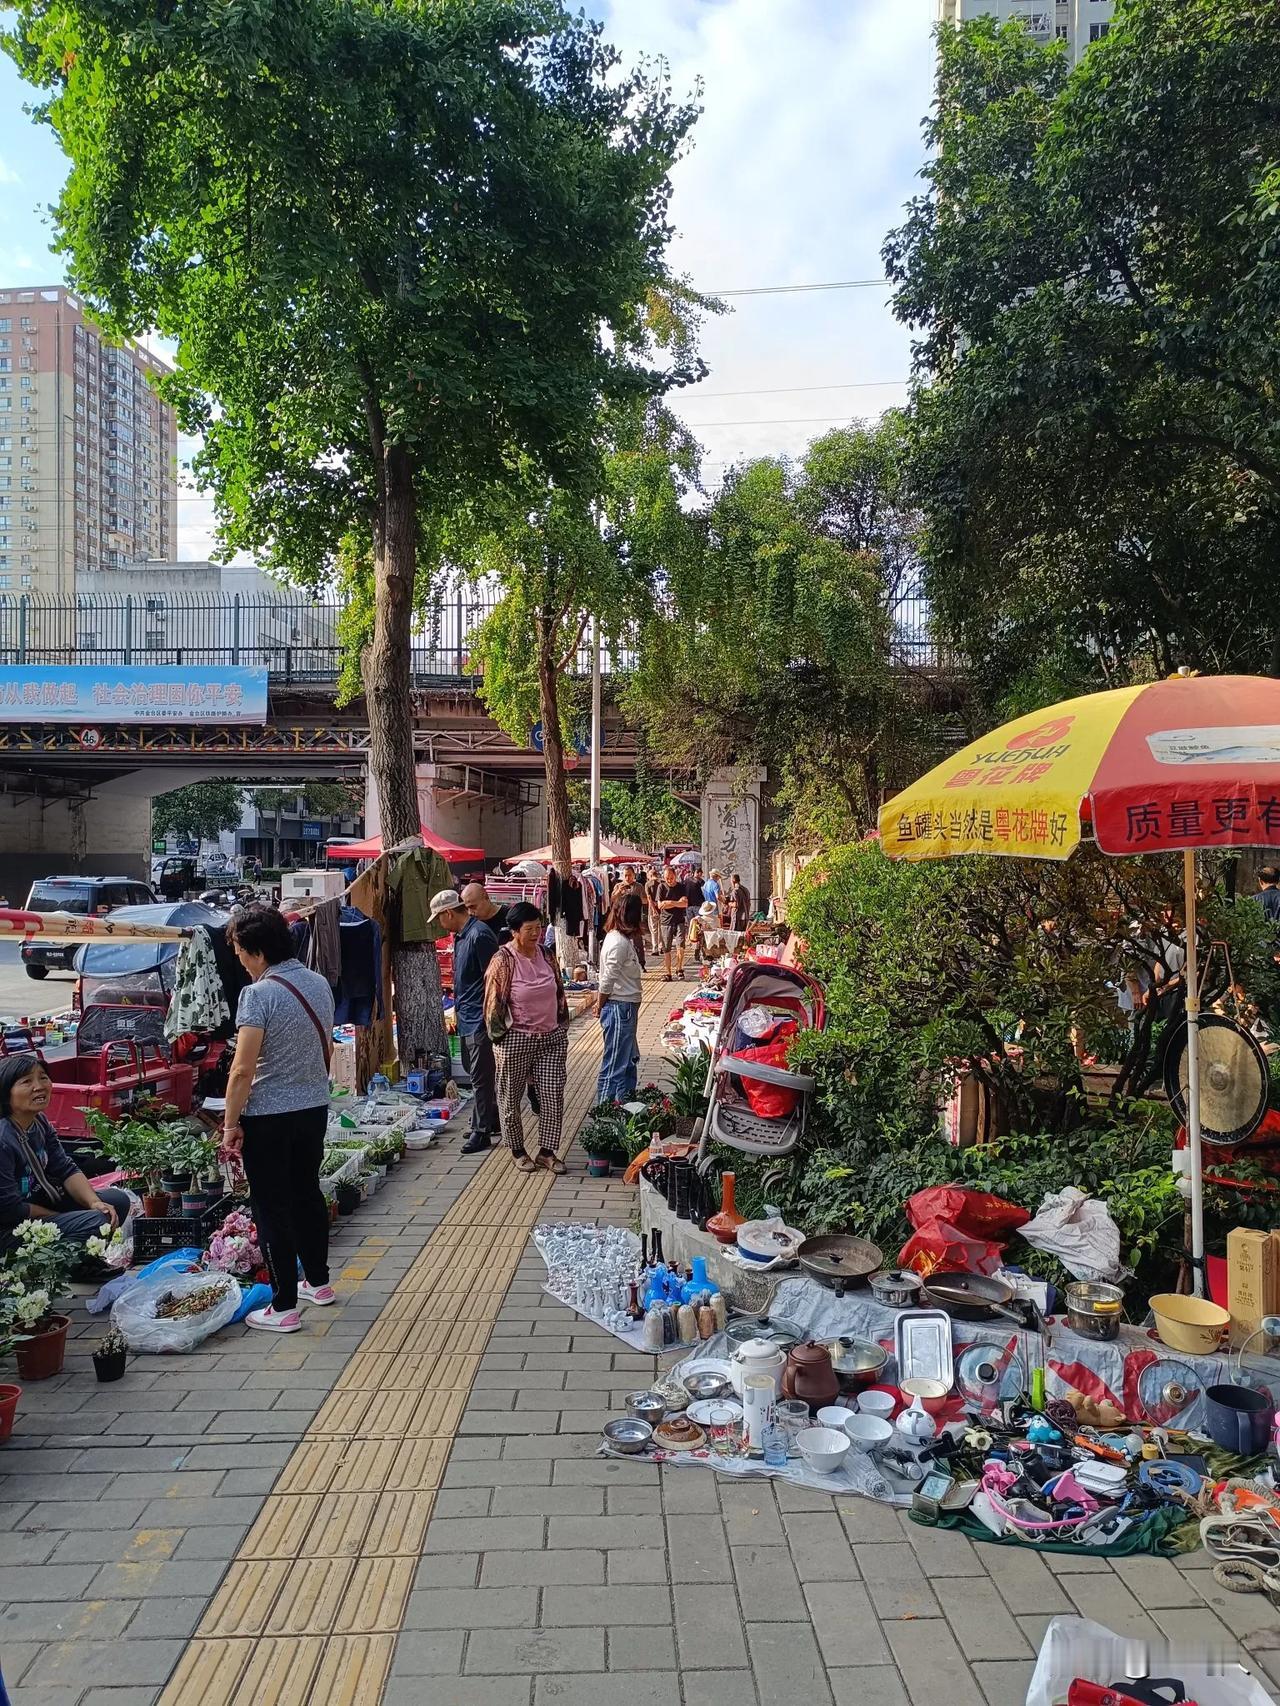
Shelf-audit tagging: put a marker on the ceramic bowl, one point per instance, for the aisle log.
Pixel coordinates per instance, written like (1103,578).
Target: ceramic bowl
(834,1416)
(823,1449)
(627,1433)
(868,1433)
(931,1393)
(877,1403)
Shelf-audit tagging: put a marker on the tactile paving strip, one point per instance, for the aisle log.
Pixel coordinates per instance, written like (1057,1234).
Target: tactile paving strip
(307,1614)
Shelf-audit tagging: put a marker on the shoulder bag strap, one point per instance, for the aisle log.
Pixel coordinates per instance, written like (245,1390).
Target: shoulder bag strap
(326,1042)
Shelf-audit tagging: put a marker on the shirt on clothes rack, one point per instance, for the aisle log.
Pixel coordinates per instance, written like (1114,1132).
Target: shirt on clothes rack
(415,878)
(199,1001)
(324,953)
(359,983)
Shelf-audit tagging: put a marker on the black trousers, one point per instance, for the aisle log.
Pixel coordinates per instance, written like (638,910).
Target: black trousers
(477,1057)
(282,1155)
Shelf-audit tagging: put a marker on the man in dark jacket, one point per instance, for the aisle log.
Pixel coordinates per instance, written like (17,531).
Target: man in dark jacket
(474,945)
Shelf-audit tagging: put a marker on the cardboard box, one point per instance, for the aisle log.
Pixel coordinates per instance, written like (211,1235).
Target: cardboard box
(1253,1279)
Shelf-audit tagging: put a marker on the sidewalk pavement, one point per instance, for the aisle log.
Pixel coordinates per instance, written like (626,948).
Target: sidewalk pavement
(402,1504)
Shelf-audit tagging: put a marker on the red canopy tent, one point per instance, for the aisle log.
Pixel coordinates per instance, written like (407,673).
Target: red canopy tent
(449,851)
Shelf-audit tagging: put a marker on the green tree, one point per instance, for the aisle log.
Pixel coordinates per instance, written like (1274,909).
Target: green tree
(200,812)
(319,799)
(776,639)
(560,560)
(393,243)
(1092,274)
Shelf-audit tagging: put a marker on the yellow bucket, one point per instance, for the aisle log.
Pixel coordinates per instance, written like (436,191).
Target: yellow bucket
(1189,1323)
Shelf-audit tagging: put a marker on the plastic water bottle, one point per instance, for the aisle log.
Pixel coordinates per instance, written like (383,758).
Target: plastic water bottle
(378,1087)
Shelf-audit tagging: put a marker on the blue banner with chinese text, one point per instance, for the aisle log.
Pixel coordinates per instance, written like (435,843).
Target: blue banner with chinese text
(127,693)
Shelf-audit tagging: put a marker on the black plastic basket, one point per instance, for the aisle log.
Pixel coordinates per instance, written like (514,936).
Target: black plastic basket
(154,1235)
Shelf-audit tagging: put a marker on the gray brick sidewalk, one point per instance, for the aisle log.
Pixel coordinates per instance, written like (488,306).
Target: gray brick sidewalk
(547,1575)
(122,1505)
(552,1576)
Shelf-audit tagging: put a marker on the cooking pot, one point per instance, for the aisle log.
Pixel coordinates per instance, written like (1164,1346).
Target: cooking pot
(899,1288)
(756,1356)
(1238,1419)
(809,1375)
(856,1362)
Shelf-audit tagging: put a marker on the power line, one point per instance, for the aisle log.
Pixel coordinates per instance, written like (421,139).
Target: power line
(774,390)
(791,289)
(784,420)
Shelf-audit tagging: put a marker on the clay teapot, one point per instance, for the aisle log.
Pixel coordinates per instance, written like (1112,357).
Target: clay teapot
(809,1375)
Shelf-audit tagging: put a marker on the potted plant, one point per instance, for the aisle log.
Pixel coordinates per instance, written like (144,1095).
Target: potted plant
(36,1273)
(138,1150)
(688,1092)
(603,1137)
(9,1392)
(234,1247)
(348,1195)
(199,1154)
(110,1356)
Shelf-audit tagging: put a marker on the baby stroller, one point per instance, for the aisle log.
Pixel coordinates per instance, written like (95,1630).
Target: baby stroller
(758,1105)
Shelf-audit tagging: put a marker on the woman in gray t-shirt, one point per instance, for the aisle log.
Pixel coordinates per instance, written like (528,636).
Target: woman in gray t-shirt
(278,1109)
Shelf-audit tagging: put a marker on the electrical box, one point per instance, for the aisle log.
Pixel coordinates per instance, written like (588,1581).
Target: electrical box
(310,885)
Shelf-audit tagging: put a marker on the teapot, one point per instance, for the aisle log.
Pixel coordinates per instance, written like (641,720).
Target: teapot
(756,1356)
(809,1375)
(916,1425)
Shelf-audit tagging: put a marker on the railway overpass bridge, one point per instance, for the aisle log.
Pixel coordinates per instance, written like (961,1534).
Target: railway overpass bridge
(76,794)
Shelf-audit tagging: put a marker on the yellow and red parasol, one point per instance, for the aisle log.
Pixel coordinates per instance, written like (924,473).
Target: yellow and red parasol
(1172,766)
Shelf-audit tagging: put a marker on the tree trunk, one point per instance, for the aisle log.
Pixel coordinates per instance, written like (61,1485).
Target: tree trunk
(553,750)
(419,1003)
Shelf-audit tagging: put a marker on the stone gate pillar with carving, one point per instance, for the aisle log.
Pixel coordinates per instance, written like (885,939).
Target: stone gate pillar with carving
(731,828)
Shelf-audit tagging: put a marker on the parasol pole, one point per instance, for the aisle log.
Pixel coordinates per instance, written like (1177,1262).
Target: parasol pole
(1193,1075)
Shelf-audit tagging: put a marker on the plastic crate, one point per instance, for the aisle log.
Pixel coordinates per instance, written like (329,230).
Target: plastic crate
(154,1235)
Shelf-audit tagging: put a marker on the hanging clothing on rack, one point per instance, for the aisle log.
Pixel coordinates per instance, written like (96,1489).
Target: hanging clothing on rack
(324,953)
(415,878)
(359,997)
(199,1002)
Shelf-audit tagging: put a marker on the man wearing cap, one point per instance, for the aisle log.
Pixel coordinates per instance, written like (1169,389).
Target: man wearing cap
(474,945)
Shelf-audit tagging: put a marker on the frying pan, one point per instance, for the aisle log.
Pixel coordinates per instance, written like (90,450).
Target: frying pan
(838,1260)
(977,1297)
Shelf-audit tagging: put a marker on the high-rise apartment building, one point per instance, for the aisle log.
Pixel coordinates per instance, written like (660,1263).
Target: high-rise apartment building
(88,452)
(1077,22)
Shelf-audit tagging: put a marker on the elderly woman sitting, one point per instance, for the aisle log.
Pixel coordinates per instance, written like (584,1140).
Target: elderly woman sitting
(38,1179)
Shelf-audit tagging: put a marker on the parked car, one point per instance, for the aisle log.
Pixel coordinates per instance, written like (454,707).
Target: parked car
(86,897)
(139,974)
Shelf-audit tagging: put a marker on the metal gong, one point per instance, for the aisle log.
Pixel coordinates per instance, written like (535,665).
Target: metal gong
(1233,1079)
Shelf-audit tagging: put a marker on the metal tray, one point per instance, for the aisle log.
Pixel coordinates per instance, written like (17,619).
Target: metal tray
(922,1346)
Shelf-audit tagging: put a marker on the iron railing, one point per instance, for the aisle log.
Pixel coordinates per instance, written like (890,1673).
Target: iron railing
(299,638)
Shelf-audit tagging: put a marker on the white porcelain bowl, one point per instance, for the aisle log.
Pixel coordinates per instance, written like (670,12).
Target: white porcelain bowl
(868,1433)
(879,1404)
(834,1416)
(824,1449)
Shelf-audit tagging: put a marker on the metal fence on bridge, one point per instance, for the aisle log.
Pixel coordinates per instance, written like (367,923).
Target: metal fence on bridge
(298,638)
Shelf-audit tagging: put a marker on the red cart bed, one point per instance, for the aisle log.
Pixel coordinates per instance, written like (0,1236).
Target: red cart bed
(111,1080)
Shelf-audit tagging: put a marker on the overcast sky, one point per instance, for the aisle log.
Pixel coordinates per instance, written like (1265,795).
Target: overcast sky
(807,148)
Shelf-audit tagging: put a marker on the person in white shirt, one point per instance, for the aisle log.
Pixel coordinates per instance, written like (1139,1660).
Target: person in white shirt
(618,1000)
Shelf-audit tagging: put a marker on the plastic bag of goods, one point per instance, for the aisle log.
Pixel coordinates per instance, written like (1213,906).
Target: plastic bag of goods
(1080,1232)
(940,1248)
(978,1213)
(1075,1649)
(769,1101)
(175,1311)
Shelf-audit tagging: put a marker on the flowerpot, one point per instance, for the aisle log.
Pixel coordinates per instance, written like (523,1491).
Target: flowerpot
(175,1183)
(9,1396)
(40,1355)
(109,1365)
(333,1211)
(724,1225)
(156,1207)
(194,1204)
(597,1167)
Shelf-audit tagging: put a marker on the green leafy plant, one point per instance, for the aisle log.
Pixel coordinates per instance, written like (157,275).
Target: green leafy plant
(141,1149)
(603,1134)
(688,1095)
(40,1264)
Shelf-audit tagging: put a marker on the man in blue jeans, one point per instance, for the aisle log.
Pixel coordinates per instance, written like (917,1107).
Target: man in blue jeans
(474,945)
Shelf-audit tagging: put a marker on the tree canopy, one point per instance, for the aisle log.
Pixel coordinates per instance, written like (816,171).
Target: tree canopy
(400,248)
(775,639)
(200,812)
(1091,274)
